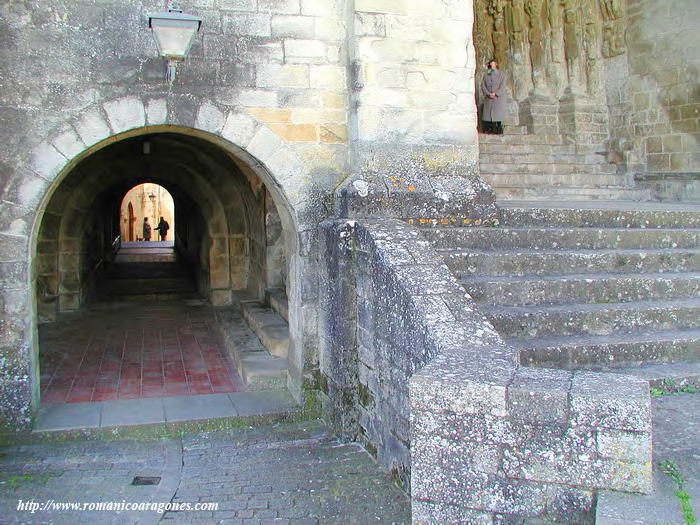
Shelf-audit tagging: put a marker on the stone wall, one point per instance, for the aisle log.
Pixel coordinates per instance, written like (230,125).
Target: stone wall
(278,86)
(654,97)
(410,367)
(413,135)
(620,75)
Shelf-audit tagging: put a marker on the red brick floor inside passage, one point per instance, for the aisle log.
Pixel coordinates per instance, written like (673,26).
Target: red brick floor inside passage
(134,351)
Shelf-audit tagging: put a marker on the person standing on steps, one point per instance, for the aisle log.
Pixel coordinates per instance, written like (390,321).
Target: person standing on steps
(146,230)
(163,228)
(493,91)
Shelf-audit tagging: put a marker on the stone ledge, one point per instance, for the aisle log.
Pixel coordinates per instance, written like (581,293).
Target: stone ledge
(685,176)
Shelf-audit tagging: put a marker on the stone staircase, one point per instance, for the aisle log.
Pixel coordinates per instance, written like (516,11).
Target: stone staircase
(522,165)
(615,288)
(607,286)
(141,272)
(258,340)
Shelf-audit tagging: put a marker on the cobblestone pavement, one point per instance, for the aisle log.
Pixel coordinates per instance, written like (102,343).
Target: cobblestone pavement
(291,473)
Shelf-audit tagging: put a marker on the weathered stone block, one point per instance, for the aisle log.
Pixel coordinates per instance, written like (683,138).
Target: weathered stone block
(69,143)
(292,26)
(304,50)
(610,401)
(239,129)
(125,113)
(47,161)
(209,118)
(279,75)
(296,132)
(247,24)
(323,8)
(279,6)
(156,111)
(539,395)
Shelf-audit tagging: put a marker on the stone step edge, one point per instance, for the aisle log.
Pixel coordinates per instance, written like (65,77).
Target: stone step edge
(268,326)
(507,279)
(568,251)
(551,351)
(667,378)
(606,288)
(556,228)
(581,308)
(276,298)
(259,370)
(623,216)
(155,431)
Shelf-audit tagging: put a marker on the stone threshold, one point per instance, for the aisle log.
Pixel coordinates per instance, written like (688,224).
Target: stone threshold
(160,416)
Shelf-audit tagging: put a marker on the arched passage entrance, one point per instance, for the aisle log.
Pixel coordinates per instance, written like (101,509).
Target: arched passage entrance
(233,230)
(147,201)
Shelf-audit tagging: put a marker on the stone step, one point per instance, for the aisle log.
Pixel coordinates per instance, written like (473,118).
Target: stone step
(545,167)
(561,262)
(511,129)
(668,377)
(146,286)
(561,238)
(487,148)
(613,215)
(164,256)
(163,289)
(525,192)
(258,369)
(523,322)
(581,288)
(523,139)
(507,156)
(277,299)
(141,270)
(578,180)
(269,326)
(262,371)
(611,351)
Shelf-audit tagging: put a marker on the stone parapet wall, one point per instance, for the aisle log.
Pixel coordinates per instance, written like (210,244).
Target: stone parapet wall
(402,342)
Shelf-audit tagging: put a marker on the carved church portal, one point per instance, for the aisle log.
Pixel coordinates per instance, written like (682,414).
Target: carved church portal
(549,47)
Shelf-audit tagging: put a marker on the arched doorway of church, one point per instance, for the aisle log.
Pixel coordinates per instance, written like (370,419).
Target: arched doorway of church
(123,317)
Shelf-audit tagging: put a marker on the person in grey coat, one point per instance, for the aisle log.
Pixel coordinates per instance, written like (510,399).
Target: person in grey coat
(493,92)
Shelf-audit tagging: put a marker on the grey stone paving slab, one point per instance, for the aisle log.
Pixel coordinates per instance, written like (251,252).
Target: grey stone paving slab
(132,412)
(295,473)
(73,415)
(676,438)
(188,408)
(261,402)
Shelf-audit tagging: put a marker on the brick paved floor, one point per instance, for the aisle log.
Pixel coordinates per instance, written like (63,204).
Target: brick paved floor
(291,473)
(133,351)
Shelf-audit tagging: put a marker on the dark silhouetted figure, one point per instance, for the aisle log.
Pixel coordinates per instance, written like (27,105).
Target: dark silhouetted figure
(163,228)
(146,230)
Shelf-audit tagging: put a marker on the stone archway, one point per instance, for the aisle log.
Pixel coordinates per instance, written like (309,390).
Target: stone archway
(255,150)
